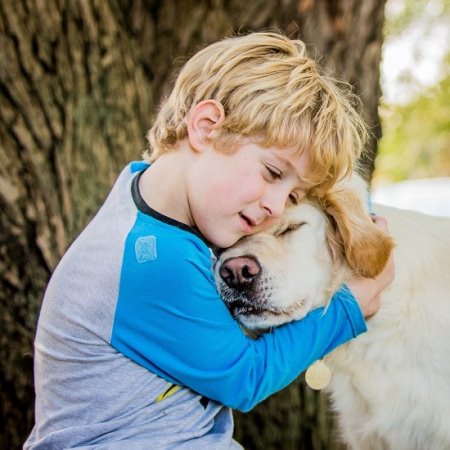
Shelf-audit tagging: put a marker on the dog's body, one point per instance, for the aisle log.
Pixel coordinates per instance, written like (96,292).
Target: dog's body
(390,386)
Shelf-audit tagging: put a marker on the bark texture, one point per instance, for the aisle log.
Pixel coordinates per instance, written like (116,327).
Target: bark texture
(80,81)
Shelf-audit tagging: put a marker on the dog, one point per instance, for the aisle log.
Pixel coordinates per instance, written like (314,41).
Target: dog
(390,387)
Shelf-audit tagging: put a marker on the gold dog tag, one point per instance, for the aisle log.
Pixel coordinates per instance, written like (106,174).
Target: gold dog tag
(318,375)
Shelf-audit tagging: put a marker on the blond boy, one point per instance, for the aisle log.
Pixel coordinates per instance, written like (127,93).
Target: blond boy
(134,347)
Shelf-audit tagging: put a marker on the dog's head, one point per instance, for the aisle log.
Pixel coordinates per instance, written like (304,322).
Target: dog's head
(277,276)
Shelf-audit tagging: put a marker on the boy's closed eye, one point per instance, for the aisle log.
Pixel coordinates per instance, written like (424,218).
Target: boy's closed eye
(277,174)
(274,172)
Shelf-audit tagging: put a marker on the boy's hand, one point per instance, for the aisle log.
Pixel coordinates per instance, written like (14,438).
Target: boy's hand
(367,291)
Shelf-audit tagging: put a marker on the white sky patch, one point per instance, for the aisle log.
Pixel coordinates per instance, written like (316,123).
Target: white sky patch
(429,196)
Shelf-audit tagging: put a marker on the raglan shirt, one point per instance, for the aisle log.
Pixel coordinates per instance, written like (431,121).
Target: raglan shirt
(135,349)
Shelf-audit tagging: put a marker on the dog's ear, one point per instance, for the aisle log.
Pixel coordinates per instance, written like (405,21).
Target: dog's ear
(366,246)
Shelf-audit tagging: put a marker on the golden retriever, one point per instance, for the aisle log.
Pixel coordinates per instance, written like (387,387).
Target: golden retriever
(390,386)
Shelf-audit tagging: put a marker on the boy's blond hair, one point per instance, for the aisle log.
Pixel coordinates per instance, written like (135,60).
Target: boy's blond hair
(271,90)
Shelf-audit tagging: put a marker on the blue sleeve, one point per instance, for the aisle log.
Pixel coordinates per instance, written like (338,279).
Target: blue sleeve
(171,320)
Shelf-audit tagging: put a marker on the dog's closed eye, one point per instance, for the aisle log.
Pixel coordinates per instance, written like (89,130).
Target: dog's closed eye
(289,228)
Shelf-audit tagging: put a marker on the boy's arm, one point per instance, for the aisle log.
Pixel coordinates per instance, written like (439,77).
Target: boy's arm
(176,325)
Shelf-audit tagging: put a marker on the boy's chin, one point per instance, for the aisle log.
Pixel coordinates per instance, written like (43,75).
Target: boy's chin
(222,242)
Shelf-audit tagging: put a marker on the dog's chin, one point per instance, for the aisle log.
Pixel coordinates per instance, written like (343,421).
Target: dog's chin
(263,321)
(261,316)
(254,308)
(256,323)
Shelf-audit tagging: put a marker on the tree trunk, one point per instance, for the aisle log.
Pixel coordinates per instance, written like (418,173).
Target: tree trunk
(79,83)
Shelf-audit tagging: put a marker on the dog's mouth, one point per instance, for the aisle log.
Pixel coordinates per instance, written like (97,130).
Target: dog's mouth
(239,308)
(255,311)
(247,306)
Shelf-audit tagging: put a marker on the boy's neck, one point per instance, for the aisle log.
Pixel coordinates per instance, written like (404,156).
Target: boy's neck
(162,187)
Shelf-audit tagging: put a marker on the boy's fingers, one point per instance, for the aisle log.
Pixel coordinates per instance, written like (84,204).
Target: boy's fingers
(380,221)
(374,306)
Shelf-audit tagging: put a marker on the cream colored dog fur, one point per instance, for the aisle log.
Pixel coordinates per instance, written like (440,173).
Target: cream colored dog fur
(390,386)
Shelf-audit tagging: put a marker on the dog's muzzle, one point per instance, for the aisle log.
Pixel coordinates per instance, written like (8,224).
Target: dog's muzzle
(239,284)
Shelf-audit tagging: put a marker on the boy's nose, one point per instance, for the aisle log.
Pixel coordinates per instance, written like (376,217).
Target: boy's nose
(274,203)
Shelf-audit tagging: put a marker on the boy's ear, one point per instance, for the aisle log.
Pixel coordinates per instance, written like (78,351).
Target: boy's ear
(366,246)
(205,119)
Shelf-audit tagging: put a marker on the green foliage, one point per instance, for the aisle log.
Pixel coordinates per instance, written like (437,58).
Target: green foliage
(416,137)
(400,14)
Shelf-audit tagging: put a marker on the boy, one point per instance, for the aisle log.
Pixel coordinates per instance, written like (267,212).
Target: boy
(134,347)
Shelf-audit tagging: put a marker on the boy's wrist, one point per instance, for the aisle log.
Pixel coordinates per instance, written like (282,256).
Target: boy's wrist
(352,308)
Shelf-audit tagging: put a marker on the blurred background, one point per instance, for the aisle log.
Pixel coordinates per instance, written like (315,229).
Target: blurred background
(415,108)
(80,82)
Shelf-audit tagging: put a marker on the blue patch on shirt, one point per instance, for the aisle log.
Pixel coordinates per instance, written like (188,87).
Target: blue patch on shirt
(145,248)
(138,166)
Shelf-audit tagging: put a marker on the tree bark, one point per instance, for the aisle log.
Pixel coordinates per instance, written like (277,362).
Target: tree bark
(80,81)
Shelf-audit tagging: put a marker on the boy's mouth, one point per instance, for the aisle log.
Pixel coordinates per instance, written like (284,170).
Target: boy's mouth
(247,221)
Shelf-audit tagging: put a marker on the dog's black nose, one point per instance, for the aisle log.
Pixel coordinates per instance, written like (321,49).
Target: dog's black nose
(240,271)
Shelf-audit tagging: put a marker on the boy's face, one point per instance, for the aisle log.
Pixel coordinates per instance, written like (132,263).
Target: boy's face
(232,195)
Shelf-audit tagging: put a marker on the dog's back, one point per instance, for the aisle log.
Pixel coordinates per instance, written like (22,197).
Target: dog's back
(391,386)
